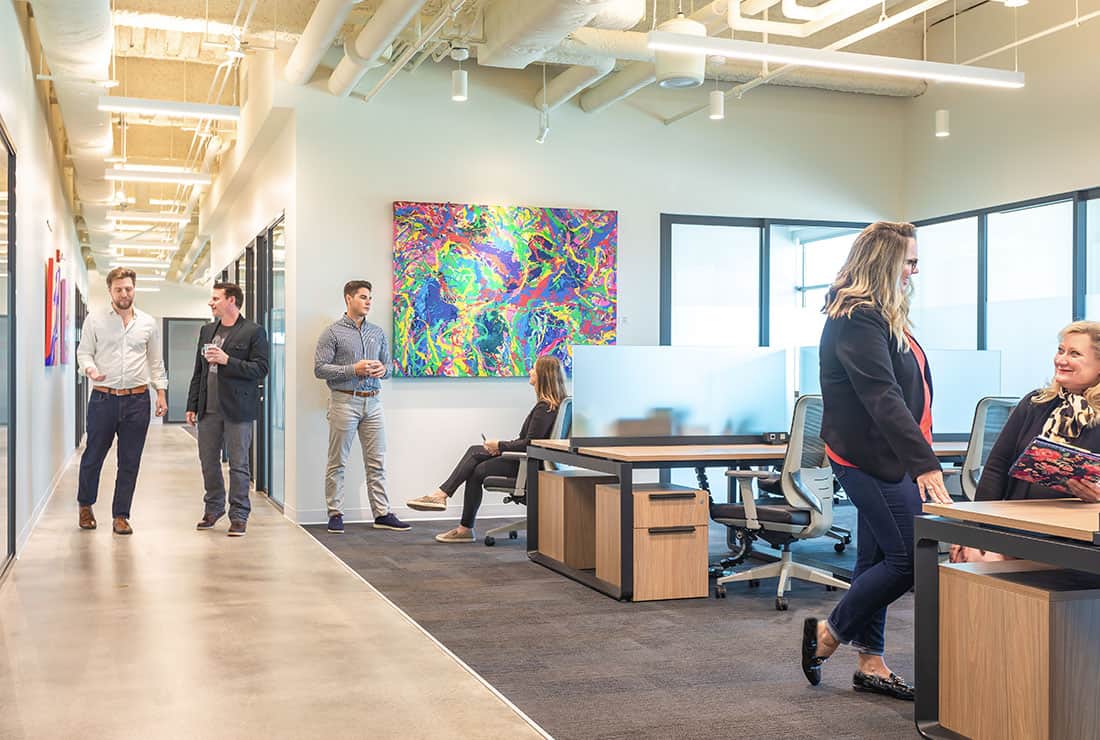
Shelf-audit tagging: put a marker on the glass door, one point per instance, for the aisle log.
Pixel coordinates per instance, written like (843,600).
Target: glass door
(181,341)
(7,350)
(275,398)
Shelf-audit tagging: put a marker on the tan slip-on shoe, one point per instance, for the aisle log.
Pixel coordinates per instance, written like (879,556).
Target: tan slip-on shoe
(426,503)
(453,537)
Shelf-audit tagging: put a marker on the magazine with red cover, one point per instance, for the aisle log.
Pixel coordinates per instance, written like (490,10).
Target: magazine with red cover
(1051,464)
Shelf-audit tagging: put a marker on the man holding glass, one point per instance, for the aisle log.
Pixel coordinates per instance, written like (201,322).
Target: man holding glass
(224,400)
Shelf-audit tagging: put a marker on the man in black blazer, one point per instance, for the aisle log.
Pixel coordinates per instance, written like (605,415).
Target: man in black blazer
(224,400)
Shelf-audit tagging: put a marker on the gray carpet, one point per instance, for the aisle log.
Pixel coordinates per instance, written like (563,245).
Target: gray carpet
(585,666)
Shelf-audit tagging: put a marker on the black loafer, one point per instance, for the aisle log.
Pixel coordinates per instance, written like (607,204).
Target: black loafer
(811,661)
(895,686)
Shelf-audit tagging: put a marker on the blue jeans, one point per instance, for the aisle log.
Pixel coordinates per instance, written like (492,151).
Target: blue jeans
(884,557)
(126,417)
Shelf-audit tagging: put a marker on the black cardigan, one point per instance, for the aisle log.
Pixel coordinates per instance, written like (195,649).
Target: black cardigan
(873,398)
(538,425)
(1023,425)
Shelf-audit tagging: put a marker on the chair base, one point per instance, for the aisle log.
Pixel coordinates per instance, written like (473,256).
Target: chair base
(784,569)
(509,529)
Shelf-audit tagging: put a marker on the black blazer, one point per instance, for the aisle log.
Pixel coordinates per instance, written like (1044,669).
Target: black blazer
(1024,424)
(873,398)
(538,425)
(238,379)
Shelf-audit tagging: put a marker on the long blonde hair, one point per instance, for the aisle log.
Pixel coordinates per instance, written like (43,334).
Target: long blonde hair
(550,381)
(871,276)
(1091,394)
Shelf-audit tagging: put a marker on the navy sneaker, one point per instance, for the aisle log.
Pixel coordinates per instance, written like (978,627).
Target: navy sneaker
(389,521)
(336,524)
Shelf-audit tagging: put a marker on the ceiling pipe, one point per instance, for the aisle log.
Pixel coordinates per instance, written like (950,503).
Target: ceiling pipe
(625,83)
(737,20)
(328,18)
(388,21)
(565,85)
(77,37)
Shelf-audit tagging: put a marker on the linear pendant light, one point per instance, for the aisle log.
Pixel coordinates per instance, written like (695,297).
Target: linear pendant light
(842,60)
(140,175)
(170,108)
(148,217)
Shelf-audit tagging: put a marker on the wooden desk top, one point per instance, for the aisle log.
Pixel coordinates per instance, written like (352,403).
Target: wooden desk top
(675,453)
(1062,517)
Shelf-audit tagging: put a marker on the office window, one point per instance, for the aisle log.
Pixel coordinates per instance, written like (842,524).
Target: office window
(944,308)
(1030,290)
(715,285)
(804,263)
(1092,260)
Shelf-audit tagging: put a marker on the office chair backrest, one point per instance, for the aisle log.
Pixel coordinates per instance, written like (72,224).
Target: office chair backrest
(563,425)
(990,416)
(807,480)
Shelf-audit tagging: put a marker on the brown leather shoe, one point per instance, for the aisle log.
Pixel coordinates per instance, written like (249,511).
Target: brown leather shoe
(208,521)
(236,528)
(87,518)
(121,526)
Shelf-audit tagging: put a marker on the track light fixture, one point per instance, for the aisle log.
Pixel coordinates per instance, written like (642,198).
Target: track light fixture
(544,113)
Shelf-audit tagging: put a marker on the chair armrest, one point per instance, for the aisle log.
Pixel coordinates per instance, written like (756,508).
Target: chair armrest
(513,455)
(952,471)
(748,474)
(744,480)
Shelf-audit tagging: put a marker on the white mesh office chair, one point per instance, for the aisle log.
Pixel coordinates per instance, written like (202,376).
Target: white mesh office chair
(990,416)
(807,486)
(516,488)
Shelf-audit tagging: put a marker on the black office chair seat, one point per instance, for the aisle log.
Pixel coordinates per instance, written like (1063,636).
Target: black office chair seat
(499,481)
(764,513)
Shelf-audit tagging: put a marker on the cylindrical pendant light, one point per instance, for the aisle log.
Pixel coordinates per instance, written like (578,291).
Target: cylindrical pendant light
(943,123)
(717,105)
(458,85)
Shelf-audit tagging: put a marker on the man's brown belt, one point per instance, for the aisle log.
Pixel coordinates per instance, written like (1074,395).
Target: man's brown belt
(357,394)
(137,390)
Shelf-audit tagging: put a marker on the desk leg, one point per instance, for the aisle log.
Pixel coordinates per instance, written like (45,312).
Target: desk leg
(626,532)
(533,505)
(926,653)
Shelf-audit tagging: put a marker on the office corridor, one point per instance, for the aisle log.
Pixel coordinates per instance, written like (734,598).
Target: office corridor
(175,633)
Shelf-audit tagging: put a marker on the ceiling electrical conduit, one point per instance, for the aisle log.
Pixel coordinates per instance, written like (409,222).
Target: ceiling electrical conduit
(325,23)
(360,55)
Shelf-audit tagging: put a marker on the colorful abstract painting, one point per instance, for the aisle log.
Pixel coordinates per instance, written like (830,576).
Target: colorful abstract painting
(485,290)
(53,310)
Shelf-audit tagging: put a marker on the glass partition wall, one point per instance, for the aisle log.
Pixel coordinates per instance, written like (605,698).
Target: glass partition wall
(7,349)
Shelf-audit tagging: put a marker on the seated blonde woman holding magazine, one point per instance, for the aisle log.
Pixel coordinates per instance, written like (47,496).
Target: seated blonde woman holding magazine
(1067,410)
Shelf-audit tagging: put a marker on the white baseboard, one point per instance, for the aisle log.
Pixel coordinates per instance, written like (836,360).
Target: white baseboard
(488,511)
(36,515)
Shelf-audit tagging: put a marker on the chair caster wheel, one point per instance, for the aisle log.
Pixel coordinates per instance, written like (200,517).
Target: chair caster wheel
(839,547)
(513,535)
(490,540)
(754,583)
(847,539)
(830,588)
(780,604)
(719,592)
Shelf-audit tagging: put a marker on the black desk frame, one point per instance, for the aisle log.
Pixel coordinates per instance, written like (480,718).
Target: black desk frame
(928,532)
(625,473)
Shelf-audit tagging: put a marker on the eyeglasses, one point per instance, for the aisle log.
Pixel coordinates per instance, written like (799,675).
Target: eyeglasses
(912,263)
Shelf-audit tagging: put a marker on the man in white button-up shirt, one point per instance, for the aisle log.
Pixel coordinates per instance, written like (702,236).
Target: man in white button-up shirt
(120,351)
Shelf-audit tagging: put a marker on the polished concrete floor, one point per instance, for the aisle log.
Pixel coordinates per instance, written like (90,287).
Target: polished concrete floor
(174,633)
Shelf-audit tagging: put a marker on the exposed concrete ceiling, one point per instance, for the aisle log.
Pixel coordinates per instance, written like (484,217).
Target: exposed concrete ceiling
(172,49)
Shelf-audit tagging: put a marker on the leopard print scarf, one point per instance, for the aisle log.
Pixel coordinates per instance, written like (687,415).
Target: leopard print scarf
(1069,419)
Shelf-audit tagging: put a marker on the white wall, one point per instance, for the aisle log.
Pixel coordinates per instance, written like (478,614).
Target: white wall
(45,399)
(174,300)
(1007,145)
(781,153)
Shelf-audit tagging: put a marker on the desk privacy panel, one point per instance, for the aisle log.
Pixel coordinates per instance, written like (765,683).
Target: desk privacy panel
(485,290)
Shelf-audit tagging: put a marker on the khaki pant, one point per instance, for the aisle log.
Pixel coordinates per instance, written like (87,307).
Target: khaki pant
(350,416)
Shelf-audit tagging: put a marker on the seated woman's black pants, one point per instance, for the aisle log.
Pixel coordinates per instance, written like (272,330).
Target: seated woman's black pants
(474,467)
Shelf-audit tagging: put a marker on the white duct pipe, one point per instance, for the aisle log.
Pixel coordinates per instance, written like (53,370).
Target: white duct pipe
(619,15)
(796,12)
(388,21)
(737,20)
(562,88)
(325,23)
(76,38)
(628,81)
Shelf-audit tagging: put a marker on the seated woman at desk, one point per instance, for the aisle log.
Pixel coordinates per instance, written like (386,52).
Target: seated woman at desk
(1067,410)
(482,461)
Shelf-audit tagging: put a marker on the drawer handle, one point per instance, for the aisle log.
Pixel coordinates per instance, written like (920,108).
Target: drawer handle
(670,496)
(672,530)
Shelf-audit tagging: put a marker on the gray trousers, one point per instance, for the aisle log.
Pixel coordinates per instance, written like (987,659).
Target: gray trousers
(350,417)
(215,431)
